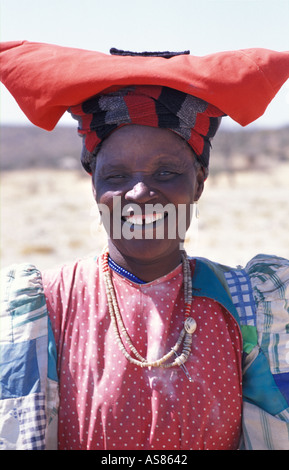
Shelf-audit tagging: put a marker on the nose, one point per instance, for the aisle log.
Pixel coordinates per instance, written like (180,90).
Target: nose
(140,192)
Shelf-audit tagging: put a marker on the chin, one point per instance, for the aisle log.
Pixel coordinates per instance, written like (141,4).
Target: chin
(148,240)
(145,250)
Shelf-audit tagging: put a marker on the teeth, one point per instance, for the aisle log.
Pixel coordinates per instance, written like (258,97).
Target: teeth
(147,219)
(134,219)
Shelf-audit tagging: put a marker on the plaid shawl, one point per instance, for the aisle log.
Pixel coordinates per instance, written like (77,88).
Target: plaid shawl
(193,119)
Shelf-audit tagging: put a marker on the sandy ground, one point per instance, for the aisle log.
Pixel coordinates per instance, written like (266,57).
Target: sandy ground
(48,217)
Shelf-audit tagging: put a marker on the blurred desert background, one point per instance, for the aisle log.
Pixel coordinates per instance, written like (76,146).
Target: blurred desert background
(48,215)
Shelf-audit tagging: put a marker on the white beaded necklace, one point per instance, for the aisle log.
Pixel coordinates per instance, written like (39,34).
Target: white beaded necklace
(120,330)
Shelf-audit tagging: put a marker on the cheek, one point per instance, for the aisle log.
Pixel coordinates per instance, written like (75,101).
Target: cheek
(109,206)
(102,194)
(105,203)
(183,192)
(104,200)
(184,200)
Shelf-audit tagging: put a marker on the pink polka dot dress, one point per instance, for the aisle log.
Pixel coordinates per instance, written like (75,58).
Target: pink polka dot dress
(107,402)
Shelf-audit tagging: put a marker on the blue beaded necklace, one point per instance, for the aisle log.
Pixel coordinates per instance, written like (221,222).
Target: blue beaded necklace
(118,269)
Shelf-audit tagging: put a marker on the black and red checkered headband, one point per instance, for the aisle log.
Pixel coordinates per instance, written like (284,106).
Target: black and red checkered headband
(193,119)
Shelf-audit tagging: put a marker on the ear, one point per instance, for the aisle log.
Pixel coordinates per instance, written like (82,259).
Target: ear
(93,188)
(200,182)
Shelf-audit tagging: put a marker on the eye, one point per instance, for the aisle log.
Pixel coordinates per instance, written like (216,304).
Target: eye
(115,177)
(165,174)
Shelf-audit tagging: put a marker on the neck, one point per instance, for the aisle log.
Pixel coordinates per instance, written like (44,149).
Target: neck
(146,269)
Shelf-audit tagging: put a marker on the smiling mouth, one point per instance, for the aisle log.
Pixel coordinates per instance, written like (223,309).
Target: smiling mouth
(143,220)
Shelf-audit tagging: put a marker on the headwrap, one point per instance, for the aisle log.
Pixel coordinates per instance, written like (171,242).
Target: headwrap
(192,118)
(46,80)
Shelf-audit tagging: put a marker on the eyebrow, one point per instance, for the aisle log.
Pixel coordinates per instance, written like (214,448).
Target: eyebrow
(168,160)
(162,160)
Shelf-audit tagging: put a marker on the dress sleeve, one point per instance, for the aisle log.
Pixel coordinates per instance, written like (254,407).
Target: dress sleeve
(52,281)
(57,285)
(266,368)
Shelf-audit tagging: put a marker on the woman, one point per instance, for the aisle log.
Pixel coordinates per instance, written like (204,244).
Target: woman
(153,350)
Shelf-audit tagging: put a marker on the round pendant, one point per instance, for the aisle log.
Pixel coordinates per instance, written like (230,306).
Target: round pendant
(190,325)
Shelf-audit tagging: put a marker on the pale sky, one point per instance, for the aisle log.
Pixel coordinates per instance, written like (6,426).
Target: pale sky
(202,26)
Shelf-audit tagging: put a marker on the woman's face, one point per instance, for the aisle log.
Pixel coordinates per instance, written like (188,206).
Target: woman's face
(145,183)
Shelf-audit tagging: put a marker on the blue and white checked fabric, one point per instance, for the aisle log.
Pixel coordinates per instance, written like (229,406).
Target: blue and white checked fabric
(32,421)
(242,295)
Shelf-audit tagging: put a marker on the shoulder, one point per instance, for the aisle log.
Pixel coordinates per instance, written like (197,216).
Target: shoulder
(269,277)
(260,294)
(265,278)
(22,292)
(67,276)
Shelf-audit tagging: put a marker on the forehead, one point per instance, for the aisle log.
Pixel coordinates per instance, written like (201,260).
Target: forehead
(133,143)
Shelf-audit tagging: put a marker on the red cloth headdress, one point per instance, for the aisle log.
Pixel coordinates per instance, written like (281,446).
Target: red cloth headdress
(46,80)
(193,119)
